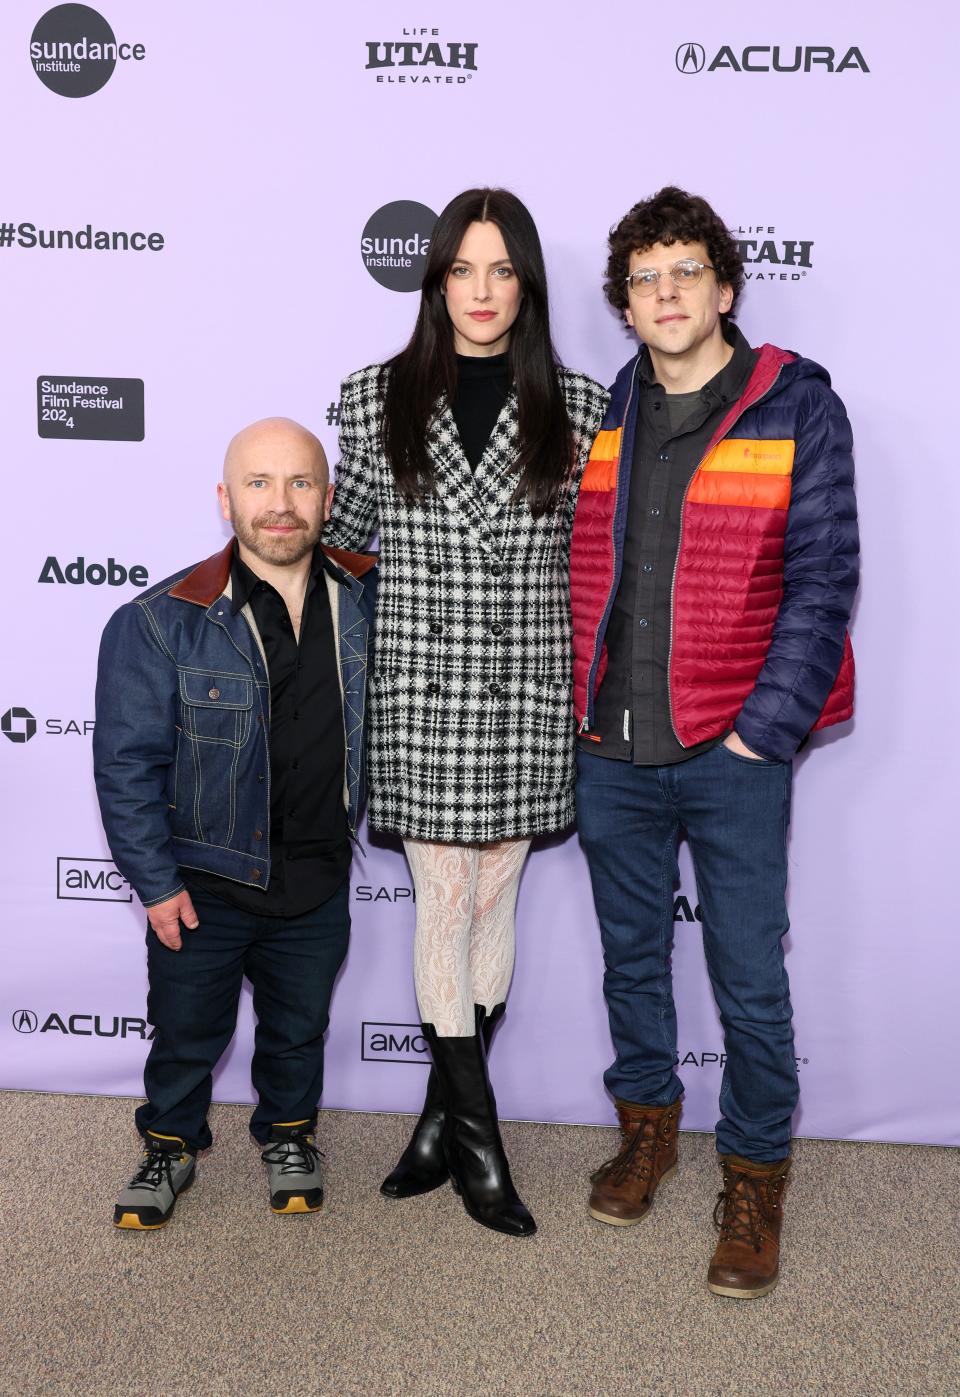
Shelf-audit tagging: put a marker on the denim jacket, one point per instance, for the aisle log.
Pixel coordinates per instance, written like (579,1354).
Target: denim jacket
(181,743)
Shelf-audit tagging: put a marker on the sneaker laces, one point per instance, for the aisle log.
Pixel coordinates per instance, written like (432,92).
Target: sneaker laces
(296,1154)
(746,1208)
(156,1167)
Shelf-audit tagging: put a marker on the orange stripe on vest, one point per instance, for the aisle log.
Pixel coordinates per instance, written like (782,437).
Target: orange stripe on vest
(600,472)
(748,457)
(749,490)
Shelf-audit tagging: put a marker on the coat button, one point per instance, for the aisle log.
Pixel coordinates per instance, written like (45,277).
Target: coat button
(642,623)
(496,570)
(435,628)
(213,693)
(648,567)
(497,628)
(433,687)
(436,569)
(495,689)
(258,834)
(255,874)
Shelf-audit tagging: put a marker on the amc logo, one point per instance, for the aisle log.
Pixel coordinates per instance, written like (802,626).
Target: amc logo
(393,1042)
(91,880)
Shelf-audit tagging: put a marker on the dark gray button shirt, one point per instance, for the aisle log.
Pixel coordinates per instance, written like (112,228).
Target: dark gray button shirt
(632,716)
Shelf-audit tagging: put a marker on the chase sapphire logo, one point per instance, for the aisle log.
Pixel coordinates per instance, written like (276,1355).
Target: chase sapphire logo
(691,58)
(18,725)
(25,1021)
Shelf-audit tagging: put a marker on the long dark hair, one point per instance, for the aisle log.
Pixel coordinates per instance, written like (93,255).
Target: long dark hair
(427,368)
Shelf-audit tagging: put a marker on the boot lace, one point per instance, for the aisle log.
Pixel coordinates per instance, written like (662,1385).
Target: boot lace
(155,1169)
(636,1155)
(295,1155)
(746,1204)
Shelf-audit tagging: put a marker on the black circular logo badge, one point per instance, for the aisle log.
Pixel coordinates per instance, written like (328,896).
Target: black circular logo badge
(395,243)
(690,58)
(24,1020)
(73,50)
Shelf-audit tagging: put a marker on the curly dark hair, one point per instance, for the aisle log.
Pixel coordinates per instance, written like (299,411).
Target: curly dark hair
(672,216)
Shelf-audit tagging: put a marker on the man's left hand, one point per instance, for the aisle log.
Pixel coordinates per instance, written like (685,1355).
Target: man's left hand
(736,744)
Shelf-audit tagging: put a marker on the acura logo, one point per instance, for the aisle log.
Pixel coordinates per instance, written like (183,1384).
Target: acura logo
(25,1021)
(691,58)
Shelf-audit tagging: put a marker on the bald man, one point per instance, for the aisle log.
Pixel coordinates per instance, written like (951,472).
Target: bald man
(228,757)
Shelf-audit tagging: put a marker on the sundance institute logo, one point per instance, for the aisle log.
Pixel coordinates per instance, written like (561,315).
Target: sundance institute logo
(74,51)
(395,244)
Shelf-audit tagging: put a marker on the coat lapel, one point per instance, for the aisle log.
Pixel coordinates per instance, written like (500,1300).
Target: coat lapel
(479,495)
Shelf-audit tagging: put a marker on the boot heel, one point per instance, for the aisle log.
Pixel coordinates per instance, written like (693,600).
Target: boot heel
(474,1150)
(423,1167)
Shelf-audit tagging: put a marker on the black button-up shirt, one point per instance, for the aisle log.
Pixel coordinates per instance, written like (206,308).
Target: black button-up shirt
(309,837)
(632,713)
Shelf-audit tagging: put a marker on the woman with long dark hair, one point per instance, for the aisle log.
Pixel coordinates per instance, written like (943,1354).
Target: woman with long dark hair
(464,452)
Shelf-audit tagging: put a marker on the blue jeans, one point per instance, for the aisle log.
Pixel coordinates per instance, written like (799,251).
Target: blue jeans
(291,963)
(735,812)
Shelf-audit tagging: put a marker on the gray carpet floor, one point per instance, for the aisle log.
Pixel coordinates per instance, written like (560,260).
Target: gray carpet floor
(377,1297)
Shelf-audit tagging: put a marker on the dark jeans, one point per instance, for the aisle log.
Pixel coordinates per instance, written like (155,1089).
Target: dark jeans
(735,812)
(291,962)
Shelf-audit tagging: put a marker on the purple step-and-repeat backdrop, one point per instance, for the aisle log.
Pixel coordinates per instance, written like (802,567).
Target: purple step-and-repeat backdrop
(213,213)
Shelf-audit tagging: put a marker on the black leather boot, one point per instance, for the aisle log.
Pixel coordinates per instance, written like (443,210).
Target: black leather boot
(423,1167)
(471,1136)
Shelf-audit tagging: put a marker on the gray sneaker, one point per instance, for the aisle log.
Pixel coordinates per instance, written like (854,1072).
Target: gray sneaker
(166,1170)
(293,1172)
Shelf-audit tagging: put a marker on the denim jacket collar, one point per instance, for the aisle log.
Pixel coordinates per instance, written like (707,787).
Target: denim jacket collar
(211,578)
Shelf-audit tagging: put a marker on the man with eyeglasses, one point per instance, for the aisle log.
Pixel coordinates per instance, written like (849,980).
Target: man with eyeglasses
(713,568)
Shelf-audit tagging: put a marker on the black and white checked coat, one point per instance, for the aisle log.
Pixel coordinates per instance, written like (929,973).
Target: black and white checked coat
(472,733)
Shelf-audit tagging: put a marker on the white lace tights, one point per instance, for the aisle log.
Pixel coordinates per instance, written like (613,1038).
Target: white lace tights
(465,940)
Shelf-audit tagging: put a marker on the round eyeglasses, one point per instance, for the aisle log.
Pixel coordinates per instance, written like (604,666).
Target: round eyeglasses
(685,274)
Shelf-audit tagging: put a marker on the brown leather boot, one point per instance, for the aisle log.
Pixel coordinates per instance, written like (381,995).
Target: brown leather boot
(623,1188)
(748,1215)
